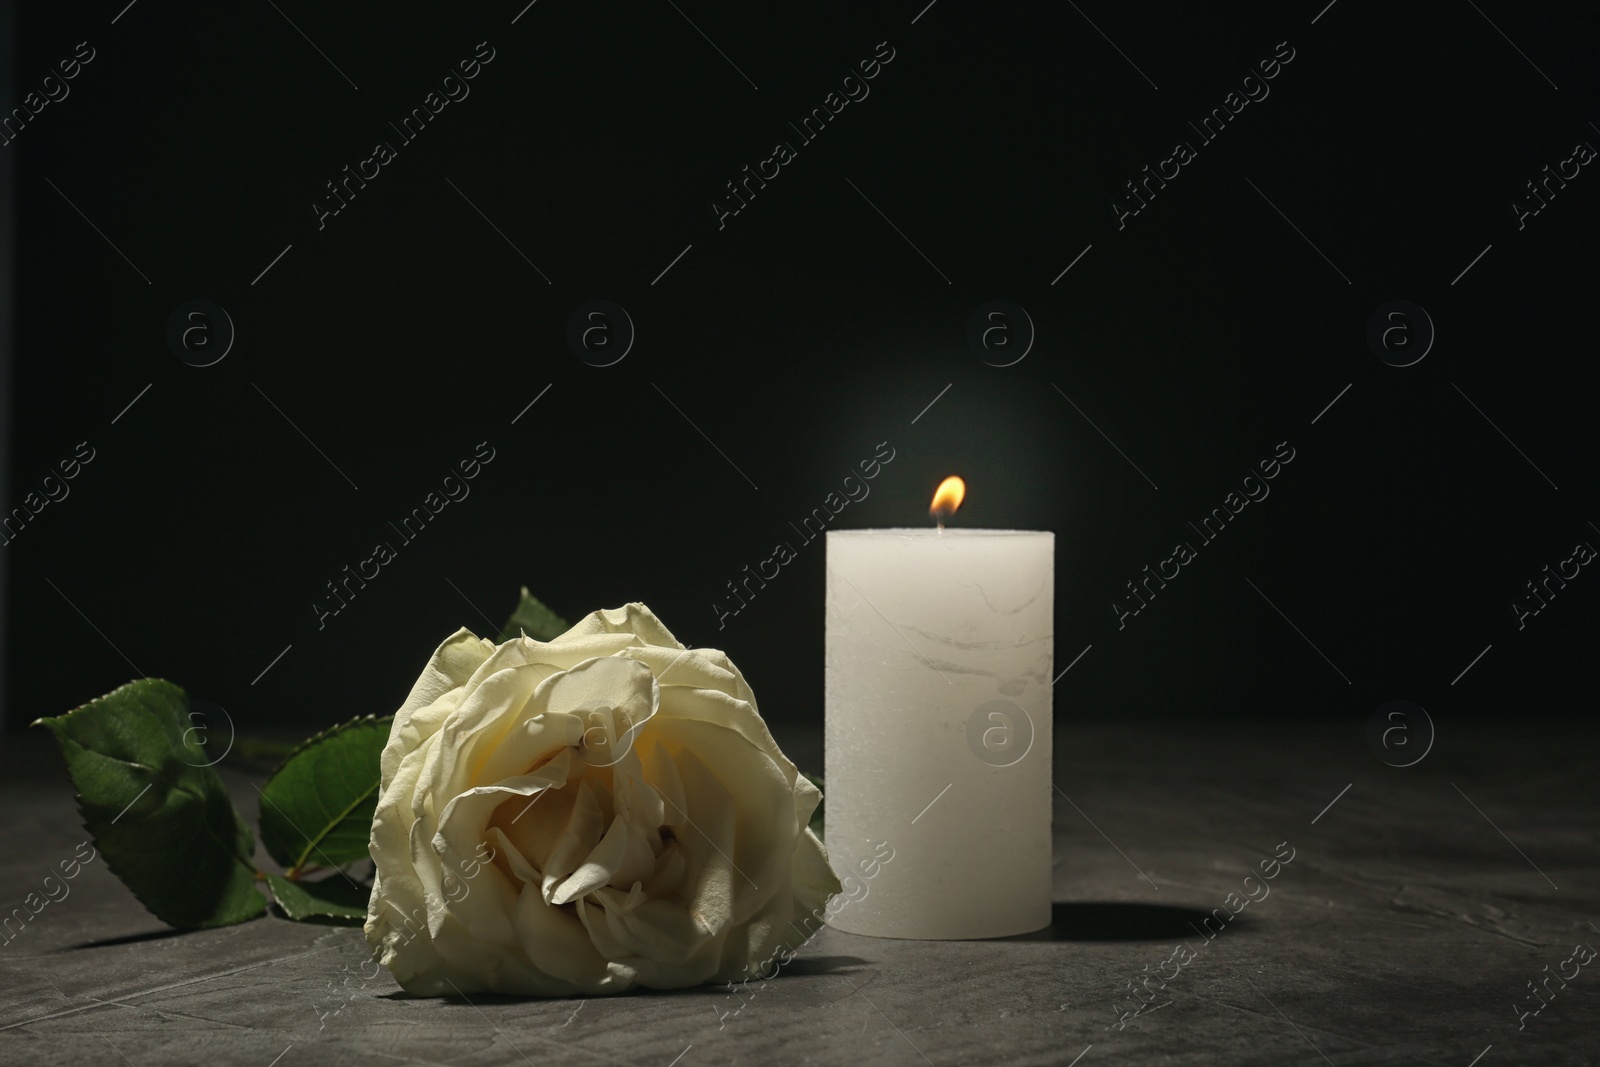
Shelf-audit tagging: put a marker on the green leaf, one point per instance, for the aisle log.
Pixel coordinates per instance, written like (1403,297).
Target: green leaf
(534,619)
(816,823)
(317,807)
(335,899)
(158,812)
(260,750)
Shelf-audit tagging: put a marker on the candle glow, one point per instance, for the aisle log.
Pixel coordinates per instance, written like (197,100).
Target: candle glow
(947,498)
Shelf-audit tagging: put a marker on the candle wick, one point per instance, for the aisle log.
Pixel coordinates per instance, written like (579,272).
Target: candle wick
(940,525)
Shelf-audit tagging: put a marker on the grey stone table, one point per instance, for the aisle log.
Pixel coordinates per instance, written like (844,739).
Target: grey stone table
(1419,906)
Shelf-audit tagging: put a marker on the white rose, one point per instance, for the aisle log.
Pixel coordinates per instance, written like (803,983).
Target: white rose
(588,814)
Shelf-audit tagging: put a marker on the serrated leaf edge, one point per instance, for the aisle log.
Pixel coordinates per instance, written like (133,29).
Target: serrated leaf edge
(331,731)
(316,739)
(55,724)
(270,881)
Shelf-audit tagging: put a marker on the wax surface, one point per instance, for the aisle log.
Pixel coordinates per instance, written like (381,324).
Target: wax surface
(937,695)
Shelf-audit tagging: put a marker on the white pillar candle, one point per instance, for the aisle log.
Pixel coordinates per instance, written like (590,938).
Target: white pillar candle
(937,702)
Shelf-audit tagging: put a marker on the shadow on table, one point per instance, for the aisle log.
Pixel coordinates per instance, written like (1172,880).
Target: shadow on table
(815,965)
(131,939)
(1090,920)
(798,967)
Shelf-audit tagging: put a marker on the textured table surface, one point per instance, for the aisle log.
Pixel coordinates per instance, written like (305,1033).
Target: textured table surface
(1418,907)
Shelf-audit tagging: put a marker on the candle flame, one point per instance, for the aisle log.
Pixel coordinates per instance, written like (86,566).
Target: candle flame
(947,498)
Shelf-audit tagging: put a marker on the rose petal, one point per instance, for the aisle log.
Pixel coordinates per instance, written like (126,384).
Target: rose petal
(491,709)
(644,826)
(451,664)
(731,713)
(562,945)
(632,618)
(658,939)
(727,782)
(582,832)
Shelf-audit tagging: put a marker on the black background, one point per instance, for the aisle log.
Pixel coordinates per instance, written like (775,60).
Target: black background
(804,333)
